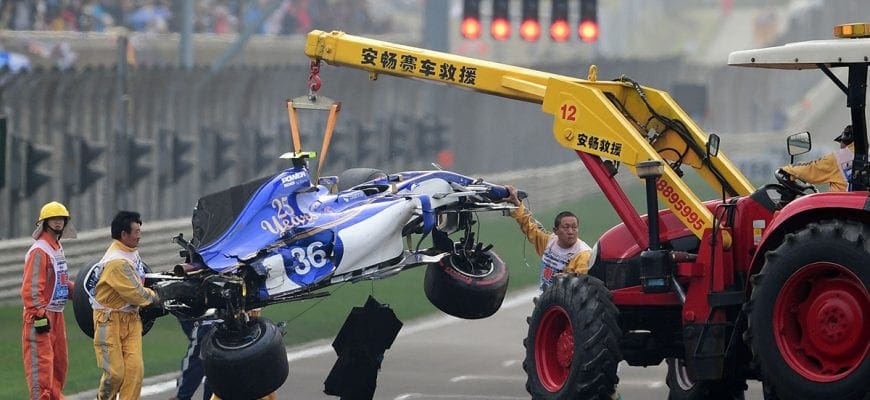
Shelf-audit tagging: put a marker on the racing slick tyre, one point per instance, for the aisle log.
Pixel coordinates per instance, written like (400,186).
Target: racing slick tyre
(809,312)
(572,348)
(355,176)
(469,288)
(248,364)
(683,387)
(86,281)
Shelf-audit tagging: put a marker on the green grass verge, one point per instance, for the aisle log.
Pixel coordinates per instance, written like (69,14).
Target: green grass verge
(307,320)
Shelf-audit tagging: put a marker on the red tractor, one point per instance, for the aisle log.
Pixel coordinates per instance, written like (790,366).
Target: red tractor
(765,283)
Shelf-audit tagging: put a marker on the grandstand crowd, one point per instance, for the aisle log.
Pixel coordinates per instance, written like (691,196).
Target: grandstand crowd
(210,16)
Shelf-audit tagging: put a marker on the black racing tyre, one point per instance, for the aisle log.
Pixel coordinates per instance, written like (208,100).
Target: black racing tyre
(467,288)
(248,365)
(572,347)
(809,312)
(81,304)
(86,280)
(355,176)
(683,387)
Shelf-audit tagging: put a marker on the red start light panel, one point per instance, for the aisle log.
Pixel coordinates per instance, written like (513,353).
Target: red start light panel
(588,31)
(530,30)
(470,28)
(500,29)
(560,31)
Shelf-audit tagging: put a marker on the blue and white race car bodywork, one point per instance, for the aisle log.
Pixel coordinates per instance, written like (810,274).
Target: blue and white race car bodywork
(292,236)
(283,238)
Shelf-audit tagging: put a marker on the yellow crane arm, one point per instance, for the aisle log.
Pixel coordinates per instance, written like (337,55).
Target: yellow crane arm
(617,120)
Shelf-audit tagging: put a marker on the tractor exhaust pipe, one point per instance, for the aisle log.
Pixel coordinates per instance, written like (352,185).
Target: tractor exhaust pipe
(656,264)
(650,172)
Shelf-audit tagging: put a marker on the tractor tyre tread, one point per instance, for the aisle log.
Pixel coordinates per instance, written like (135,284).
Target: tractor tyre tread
(593,318)
(842,242)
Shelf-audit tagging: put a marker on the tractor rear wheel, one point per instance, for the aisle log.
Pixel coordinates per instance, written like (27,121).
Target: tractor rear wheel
(683,387)
(572,348)
(809,314)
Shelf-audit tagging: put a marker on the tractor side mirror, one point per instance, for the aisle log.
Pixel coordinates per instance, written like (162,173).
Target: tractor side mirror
(799,143)
(712,145)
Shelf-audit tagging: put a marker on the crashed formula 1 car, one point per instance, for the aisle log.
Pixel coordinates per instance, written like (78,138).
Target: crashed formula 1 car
(283,238)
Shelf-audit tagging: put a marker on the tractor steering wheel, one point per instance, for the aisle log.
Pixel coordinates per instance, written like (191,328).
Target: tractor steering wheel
(794,184)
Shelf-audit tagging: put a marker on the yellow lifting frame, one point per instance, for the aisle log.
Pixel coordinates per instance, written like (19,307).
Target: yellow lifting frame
(586,115)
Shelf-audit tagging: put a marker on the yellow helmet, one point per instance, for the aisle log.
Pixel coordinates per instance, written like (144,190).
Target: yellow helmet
(52,209)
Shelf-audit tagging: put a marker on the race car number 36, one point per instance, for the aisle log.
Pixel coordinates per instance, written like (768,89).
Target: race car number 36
(312,256)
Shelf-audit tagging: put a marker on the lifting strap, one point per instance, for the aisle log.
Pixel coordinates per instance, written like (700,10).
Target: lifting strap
(313,102)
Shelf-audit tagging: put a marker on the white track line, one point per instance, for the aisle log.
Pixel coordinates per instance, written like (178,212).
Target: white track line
(512,378)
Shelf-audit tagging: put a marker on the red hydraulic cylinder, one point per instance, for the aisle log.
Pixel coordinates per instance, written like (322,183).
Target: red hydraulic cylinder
(616,196)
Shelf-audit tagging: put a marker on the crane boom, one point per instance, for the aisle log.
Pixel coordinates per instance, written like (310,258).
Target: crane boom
(618,120)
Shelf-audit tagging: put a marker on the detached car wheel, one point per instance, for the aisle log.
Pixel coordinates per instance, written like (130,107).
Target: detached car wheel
(809,313)
(245,365)
(86,281)
(469,288)
(572,348)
